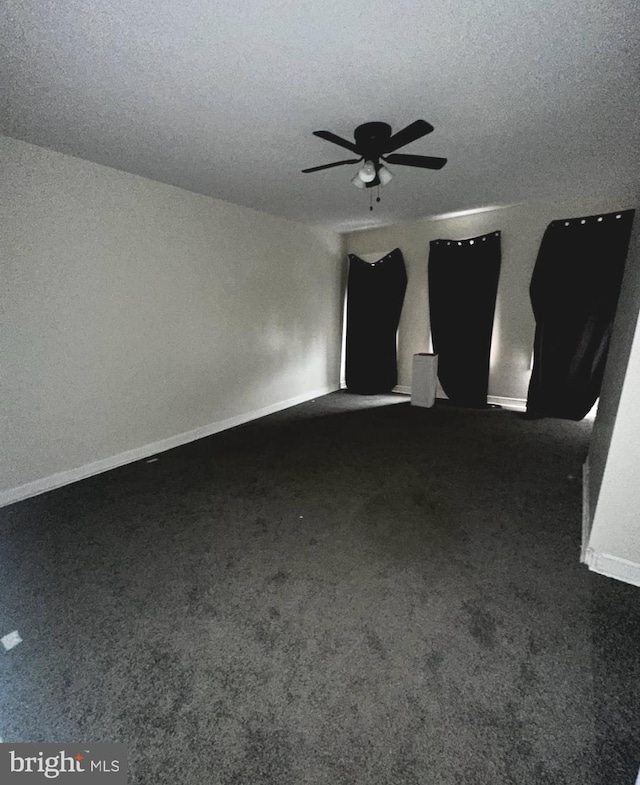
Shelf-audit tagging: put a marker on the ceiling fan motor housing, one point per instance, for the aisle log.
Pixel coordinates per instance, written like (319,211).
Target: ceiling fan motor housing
(371,139)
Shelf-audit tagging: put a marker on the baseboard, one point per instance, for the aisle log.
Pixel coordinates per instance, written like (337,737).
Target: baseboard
(396,389)
(36,487)
(586,513)
(613,567)
(516,404)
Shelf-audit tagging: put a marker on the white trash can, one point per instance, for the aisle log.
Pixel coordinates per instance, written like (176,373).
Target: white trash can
(423,383)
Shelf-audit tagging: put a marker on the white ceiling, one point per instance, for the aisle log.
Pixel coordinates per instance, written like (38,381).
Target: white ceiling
(529,98)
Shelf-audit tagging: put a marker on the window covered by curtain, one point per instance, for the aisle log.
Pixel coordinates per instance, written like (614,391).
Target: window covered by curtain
(375,294)
(574,293)
(463,285)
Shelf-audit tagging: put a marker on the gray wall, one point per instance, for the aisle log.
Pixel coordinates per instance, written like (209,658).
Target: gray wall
(617,368)
(135,311)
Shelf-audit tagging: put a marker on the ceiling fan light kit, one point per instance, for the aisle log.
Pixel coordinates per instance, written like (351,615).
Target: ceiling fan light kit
(384,175)
(376,145)
(368,172)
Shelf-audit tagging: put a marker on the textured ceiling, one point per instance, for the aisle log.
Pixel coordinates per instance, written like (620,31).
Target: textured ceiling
(528,99)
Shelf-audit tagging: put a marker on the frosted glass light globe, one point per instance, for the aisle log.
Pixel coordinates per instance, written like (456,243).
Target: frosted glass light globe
(368,172)
(384,175)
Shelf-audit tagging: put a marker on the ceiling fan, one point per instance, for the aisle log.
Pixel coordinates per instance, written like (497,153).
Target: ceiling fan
(375,144)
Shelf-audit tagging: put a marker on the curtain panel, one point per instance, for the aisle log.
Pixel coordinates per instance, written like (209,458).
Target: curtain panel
(574,294)
(463,286)
(375,295)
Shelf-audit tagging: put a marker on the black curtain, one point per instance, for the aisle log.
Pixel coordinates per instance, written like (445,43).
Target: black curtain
(375,293)
(463,285)
(574,293)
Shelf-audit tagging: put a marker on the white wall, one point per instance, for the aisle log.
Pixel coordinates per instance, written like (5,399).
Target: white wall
(522,227)
(614,466)
(134,311)
(617,368)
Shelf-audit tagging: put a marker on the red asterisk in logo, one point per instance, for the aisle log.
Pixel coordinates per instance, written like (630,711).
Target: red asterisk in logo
(79,757)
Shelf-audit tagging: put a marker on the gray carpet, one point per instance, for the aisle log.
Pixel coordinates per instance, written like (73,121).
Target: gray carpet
(353,591)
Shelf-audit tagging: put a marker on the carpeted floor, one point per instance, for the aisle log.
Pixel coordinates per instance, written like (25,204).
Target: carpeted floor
(355,591)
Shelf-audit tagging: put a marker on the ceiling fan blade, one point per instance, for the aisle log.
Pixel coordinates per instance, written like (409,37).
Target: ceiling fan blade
(336,140)
(335,163)
(408,134)
(422,161)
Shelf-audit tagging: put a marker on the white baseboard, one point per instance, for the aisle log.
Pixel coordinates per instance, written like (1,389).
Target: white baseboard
(36,487)
(613,566)
(396,389)
(516,404)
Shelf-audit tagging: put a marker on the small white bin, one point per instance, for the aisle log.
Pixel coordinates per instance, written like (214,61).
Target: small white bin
(423,383)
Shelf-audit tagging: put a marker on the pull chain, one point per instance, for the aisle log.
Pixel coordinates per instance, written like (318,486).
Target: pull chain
(378,196)
(370,199)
